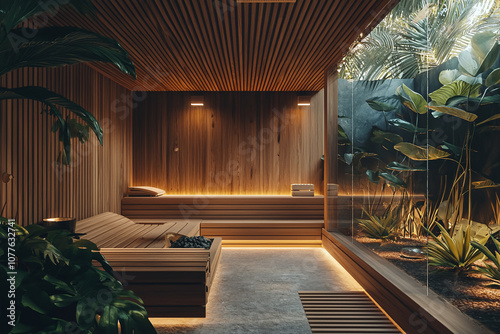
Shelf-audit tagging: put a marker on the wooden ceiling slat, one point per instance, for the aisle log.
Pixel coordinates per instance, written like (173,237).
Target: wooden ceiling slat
(239,51)
(356,15)
(194,31)
(193,45)
(266,45)
(305,57)
(208,15)
(278,46)
(201,30)
(292,41)
(345,38)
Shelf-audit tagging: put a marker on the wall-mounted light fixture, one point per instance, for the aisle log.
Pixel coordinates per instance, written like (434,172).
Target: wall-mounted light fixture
(304,101)
(197,101)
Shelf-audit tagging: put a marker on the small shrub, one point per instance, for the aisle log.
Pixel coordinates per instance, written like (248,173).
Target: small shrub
(493,272)
(454,252)
(384,227)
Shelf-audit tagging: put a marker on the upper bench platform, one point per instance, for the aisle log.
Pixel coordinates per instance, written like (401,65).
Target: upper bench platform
(242,207)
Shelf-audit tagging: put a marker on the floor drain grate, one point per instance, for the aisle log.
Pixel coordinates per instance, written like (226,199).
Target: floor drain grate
(344,312)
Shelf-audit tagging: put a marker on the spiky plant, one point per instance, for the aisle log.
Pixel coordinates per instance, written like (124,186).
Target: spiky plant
(493,272)
(55,47)
(383,227)
(456,252)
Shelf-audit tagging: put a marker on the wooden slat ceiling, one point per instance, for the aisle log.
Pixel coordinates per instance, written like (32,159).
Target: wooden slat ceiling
(222,45)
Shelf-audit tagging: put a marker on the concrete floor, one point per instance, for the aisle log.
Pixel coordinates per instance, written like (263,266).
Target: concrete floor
(255,291)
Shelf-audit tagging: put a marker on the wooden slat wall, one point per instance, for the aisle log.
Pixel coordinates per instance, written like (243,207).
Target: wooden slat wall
(249,143)
(207,45)
(98,176)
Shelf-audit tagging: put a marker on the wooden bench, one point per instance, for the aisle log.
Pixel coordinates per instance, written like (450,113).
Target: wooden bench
(173,282)
(233,207)
(264,232)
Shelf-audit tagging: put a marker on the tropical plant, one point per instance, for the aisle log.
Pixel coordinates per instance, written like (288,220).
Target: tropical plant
(59,290)
(455,252)
(462,96)
(383,227)
(493,272)
(418,35)
(54,47)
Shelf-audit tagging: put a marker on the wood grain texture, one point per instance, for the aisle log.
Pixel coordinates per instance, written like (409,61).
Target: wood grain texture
(98,176)
(172,282)
(237,143)
(221,45)
(253,230)
(331,148)
(344,312)
(241,207)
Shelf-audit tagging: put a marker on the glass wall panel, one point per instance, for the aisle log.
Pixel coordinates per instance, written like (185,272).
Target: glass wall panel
(418,165)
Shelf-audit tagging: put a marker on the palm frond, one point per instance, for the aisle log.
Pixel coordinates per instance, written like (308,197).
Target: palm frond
(54,102)
(58,46)
(424,34)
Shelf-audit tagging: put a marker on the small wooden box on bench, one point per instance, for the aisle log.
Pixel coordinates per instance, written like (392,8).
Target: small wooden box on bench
(173,282)
(302,189)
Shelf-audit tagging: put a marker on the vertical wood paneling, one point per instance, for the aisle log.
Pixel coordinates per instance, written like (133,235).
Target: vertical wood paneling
(237,143)
(98,176)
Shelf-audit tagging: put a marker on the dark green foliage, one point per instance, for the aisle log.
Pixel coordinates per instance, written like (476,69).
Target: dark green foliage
(54,47)
(58,289)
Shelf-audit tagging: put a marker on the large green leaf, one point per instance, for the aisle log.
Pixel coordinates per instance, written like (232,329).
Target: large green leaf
(485,48)
(404,168)
(473,102)
(452,148)
(469,117)
(55,101)
(382,137)
(343,139)
(38,300)
(393,180)
(456,88)
(383,103)
(57,46)
(355,159)
(373,176)
(493,78)
(419,153)
(448,76)
(417,103)
(481,55)
(405,125)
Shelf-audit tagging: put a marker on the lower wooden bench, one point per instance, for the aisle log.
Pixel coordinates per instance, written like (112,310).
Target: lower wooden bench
(172,282)
(264,232)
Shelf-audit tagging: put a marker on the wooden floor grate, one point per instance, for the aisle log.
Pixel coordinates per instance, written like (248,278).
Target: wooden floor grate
(344,312)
